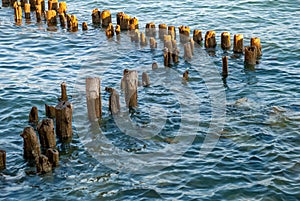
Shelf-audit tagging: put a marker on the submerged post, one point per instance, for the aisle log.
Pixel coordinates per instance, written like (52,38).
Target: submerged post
(96,17)
(18,11)
(256,42)
(114,101)
(210,39)
(53,156)
(43,165)
(63,116)
(2,160)
(93,98)
(184,33)
(105,18)
(50,111)
(225,41)
(33,115)
(46,134)
(238,44)
(250,55)
(197,36)
(171,31)
(131,84)
(31,145)
(225,66)
(150,29)
(27,11)
(162,30)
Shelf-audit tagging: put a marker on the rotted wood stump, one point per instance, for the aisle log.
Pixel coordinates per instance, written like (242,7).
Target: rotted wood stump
(238,44)
(210,39)
(256,42)
(109,32)
(38,12)
(27,11)
(184,33)
(50,111)
(93,98)
(175,55)
(131,84)
(114,101)
(134,23)
(162,30)
(73,24)
(96,17)
(53,156)
(197,36)
(225,41)
(2,157)
(63,116)
(167,57)
(150,29)
(250,55)
(105,18)
(46,134)
(171,31)
(42,5)
(62,8)
(84,26)
(53,5)
(154,65)
(145,80)
(185,75)
(62,20)
(225,66)
(123,20)
(5,3)
(51,18)
(18,11)
(43,165)
(153,43)
(118,29)
(33,115)
(187,51)
(31,145)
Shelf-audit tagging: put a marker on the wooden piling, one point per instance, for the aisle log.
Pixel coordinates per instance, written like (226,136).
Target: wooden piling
(187,51)
(250,55)
(105,18)
(53,156)
(74,24)
(2,156)
(162,30)
(131,84)
(225,41)
(31,145)
(96,17)
(38,12)
(184,33)
(256,42)
(41,3)
(43,165)
(46,134)
(175,55)
(150,30)
(27,11)
(64,96)
(225,66)
(238,44)
(153,43)
(51,18)
(134,23)
(114,101)
(154,65)
(63,116)
(5,3)
(50,111)
(171,31)
(210,39)
(84,26)
(143,40)
(62,20)
(123,20)
(168,42)
(145,80)
(192,44)
(62,8)
(197,36)
(18,11)
(33,115)
(53,5)
(118,29)
(93,98)
(167,57)
(109,32)
(185,75)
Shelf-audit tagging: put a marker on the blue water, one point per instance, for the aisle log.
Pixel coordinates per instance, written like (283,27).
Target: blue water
(254,114)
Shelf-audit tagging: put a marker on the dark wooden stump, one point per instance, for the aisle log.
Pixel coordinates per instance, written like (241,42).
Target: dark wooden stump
(51,18)
(27,11)
(184,33)
(175,55)
(145,80)
(256,42)
(84,26)
(162,30)
(197,36)
(167,57)
(31,145)
(53,157)
(46,134)
(210,39)
(93,98)
(185,75)
(123,20)
(33,115)
(43,165)
(109,32)
(50,111)
(96,17)
(171,31)
(225,66)
(62,8)
(225,41)
(131,84)
(62,20)
(2,157)
(150,30)
(18,11)
(238,44)
(53,5)
(250,55)
(134,23)
(38,12)
(63,116)
(154,66)
(73,24)
(114,101)
(105,18)
(118,29)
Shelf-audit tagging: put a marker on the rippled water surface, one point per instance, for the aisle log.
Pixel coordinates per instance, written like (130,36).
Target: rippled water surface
(257,156)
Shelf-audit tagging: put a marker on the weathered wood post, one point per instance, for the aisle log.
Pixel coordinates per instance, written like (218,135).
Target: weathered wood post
(184,33)
(153,43)
(162,30)
(150,30)
(118,29)
(93,98)
(123,20)
(38,12)
(46,134)
(185,75)
(256,42)
(5,3)
(63,116)
(105,18)
(31,145)
(145,80)
(64,96)
(84,26)
(175,55)
(143,40)
(210,39)
(62,20)
(225,66)
(51,18)
(74,23)
(171,31)
(96,17)
(238,44)
(50,111)
(197,36)
(43,165)
(192,43)
(187,51)
(2,156)
(114,101)
(53,156)
(33,115)
(167,57)
(18,11)
(53,5)
(250,55)
(134,23)
(27,11)
(225,41)
(42,5)
(62,8)
(131,84)
(135,37)
(154,65)
(109,32)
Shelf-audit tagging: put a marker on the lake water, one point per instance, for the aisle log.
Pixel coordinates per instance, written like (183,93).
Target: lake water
(205,139)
